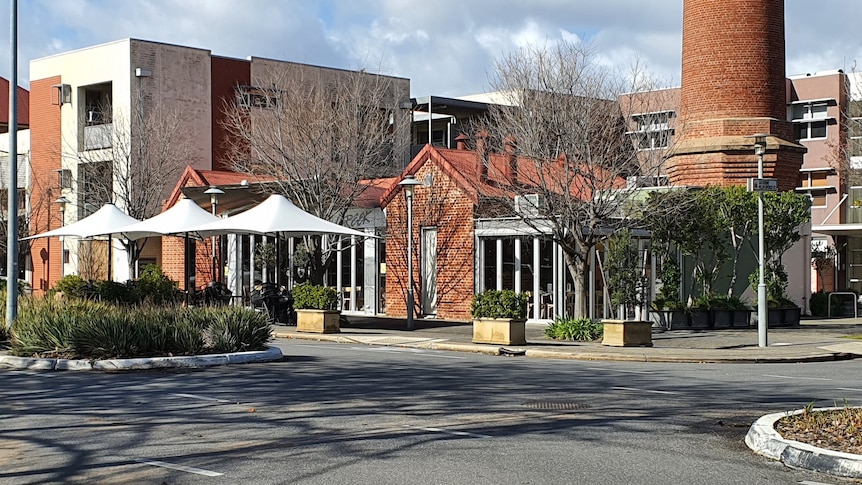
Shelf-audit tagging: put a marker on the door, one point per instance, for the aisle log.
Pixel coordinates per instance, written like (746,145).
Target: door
(429,271)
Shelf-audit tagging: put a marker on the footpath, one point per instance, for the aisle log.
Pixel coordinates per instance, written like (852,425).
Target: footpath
(812,341)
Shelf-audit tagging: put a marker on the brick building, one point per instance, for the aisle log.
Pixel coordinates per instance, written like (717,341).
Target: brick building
(85,107)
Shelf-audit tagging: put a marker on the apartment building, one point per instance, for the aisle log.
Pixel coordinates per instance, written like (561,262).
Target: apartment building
(93,115)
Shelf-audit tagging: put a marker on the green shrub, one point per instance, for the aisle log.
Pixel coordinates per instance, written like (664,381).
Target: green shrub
(499,304)
(819,304)
(718,302)
(314,297)
(114,292)
(72,286)
(154,287)
(578,329)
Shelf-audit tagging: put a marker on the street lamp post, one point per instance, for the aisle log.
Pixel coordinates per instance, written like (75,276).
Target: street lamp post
(408,184)
(761,185)
(214,192)
(62,201)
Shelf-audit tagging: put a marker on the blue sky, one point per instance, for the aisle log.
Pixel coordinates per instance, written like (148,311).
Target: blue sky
(445,47)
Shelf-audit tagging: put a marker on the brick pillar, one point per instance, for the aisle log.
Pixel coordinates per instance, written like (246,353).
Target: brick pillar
(733,85)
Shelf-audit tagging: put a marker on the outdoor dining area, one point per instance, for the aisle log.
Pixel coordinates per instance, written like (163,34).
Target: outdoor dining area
(274,217)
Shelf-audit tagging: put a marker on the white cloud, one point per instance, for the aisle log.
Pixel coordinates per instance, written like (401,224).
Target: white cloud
(445,47)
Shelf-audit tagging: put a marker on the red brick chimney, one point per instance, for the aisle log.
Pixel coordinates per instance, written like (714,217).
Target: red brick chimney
(733,86)
(461,141)
(511,165)
(482,154)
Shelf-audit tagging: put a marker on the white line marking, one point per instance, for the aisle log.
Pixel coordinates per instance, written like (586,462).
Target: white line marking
(643,390)
(848,389)
(181,468)
(203,398)
(797,377)
(620,370)
(456,433)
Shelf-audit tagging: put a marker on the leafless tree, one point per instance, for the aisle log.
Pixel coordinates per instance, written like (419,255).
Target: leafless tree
(129,158)
(565,112)
(318,133)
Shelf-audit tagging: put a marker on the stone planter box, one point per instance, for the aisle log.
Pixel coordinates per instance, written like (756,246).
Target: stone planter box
(318,321)
(627,333)
(501,331)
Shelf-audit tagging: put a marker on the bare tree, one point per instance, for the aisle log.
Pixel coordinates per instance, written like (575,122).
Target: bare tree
(127,157)
(318,133)
(566,113)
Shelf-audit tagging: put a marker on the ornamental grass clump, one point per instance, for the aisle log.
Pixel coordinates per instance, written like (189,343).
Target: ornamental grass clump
(96,330)
(574,329)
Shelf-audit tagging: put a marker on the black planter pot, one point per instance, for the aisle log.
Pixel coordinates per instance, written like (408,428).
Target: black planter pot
(783,317)
(670,319)
(700,319)
(722,318)
(741,318)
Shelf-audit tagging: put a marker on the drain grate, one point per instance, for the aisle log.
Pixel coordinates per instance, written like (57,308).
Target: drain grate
(555,405)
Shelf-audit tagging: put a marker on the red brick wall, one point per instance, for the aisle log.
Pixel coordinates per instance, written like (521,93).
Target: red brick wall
(45,150)
(444,206)
(226,75)
(173,251)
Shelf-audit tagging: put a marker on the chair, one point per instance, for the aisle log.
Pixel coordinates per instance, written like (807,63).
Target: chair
(546,310)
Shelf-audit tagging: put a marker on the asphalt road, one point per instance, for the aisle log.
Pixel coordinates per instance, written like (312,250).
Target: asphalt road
(345,414)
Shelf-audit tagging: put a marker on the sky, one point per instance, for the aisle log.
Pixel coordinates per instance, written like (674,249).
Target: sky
(445,47)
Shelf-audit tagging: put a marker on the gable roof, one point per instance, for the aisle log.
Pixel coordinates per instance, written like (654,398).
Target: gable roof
(463,167)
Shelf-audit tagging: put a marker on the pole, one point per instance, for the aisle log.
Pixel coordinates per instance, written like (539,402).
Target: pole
(762,318)
(12,227)
(410,302)
(215,254)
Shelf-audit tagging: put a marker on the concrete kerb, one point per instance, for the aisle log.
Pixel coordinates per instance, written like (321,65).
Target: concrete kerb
(764,440)
(696,356)
(190,361)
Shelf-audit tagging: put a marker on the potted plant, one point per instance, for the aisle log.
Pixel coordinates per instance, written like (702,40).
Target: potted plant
(499,317)
(627,287)
(316,309)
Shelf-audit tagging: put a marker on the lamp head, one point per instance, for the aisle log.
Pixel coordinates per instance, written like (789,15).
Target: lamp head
(408,184)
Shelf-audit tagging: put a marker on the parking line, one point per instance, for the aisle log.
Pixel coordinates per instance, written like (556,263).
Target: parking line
(798,377)
(624,371)
(202,398)
(643,390)
(455,433)
(187,469)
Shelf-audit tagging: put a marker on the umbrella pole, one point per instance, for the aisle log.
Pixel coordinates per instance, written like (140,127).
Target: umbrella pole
(186,266)
(110,256)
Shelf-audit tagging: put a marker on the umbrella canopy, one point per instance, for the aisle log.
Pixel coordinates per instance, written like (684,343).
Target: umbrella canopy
(275,215)
(106,220)
(178,220)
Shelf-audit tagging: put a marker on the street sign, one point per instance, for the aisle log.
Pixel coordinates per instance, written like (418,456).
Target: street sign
(762,185)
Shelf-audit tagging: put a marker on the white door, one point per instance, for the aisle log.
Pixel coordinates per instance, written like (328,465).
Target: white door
(429,270)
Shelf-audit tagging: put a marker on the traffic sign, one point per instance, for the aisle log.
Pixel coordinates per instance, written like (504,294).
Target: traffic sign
(762,185)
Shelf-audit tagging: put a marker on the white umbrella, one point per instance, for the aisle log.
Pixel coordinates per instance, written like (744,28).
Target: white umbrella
(105,221)
(178,220)
(102,222)
(275,215)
